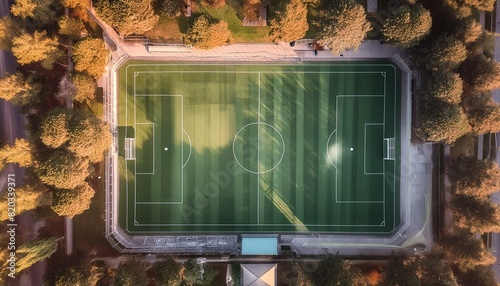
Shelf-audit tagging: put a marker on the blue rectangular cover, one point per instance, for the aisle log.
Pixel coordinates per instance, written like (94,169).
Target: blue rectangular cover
(259,246)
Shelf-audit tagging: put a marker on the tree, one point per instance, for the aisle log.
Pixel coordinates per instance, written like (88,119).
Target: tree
(72,202)
(29,48)
(483,114)
(476,214)
(45,12)
(294,274)
(444,85)
(480,74)
(473,177)
(433,271)
(342,25)
(70,27)
(485,45)
(468,30)
(170,8)
(333,270)
(466,250)
(54,128)
(129,17)
(168,272)
(445,126)
(193,274)
(63,170)
(486,5)
(19,153)
(90,55)
(132,272)
(407,25)
(18,90)
(442,53)
(291,23)
(28,197)
(76,3)
(9,29)
(34,251)
(86,87)
(401,271)
(89,136)
(478,276)
(23,8)
(206,32)
(81,273)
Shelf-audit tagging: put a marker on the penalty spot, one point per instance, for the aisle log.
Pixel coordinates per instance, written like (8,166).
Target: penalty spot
(352,149)
(166,149)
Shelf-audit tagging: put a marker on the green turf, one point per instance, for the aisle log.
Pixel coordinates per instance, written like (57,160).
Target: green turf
(259,148)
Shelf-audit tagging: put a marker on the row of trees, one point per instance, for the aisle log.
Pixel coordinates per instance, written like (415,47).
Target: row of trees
(71,140)
(63,144)
(458,77)
(343,24)
(330,270)
(133,272)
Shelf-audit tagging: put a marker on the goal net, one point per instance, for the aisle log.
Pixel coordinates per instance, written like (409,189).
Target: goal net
(129,148)
(389,148)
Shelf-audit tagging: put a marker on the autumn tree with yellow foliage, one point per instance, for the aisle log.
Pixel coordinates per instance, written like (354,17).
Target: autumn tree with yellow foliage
(341,25)
(206,32)
(291,23)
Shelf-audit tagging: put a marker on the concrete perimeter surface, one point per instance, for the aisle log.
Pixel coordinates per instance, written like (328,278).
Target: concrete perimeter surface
(414,237)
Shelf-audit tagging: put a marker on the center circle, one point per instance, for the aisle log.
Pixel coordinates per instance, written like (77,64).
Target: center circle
(258,147)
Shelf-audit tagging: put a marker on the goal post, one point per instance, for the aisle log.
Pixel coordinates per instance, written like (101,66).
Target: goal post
(389,148)
(129,148)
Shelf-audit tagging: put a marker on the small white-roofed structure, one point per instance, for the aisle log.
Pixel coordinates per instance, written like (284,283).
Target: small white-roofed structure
(258,274)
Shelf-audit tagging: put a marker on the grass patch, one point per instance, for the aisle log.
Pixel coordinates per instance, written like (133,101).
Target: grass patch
(168,30)
(88,228)
(173,30)
(240,34)
(312,12)
(96,106)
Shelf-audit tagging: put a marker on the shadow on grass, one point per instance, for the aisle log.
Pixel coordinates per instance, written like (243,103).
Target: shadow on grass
(183,22)
(88,228)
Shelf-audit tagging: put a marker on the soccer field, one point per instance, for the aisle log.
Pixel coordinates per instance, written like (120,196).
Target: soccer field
(305,147)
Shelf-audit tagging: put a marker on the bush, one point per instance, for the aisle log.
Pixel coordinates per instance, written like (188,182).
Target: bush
(170,8)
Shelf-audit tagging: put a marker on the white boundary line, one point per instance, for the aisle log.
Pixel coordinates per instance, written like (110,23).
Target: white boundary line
(283,72)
